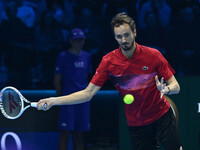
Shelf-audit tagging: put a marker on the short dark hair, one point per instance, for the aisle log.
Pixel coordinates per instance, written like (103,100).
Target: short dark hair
(122,18)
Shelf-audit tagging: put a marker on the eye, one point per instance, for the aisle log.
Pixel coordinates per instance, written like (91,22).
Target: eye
(126,34)
(118,36)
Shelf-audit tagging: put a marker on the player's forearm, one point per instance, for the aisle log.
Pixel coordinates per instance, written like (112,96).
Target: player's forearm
(74,98)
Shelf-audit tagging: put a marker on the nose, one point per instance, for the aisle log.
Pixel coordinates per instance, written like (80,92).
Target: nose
(123,39)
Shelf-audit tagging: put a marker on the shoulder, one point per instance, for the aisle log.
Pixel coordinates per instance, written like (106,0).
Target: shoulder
(85,53)
(149,51)
(110,55)
(63,53)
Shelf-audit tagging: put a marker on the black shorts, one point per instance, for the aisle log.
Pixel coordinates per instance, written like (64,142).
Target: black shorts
(163,131)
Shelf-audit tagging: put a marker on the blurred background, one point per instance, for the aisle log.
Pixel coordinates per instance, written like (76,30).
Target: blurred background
(34,32)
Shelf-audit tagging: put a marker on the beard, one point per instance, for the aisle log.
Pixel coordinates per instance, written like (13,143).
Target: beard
(125,46)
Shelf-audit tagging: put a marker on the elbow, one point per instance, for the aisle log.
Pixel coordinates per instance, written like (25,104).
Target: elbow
(88,94)
(89,99)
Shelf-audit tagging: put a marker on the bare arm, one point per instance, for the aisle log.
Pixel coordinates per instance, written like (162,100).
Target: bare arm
(74,98)
(172,86)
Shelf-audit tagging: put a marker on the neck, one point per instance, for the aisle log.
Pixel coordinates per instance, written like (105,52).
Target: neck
(75,51)
(129,53)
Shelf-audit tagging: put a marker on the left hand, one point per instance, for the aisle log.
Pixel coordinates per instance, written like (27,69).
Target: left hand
(161,86)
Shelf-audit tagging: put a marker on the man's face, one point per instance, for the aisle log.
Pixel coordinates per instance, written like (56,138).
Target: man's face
(125,36)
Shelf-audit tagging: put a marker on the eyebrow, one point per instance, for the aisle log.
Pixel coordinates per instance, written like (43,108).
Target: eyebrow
(122,34)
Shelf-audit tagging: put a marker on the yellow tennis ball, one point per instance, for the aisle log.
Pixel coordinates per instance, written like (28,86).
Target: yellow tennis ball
(128,99)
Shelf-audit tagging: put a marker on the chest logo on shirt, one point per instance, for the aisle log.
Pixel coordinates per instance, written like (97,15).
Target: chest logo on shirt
(145,68)
(79,64)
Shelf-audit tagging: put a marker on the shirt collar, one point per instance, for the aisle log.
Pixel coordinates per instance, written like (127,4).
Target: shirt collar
(135,55)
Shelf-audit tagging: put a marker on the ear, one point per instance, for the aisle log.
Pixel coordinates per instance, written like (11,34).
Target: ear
(134,32)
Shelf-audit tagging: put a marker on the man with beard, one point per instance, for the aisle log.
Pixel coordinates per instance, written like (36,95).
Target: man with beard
(135,69)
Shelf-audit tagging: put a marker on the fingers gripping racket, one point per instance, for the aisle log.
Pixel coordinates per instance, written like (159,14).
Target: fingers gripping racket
(12,103)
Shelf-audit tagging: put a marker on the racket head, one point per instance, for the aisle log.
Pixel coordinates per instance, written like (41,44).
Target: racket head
(11,102)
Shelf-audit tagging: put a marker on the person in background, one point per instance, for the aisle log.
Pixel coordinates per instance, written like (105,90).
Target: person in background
(72,69)
(48,43)
(17,41)
(161,9)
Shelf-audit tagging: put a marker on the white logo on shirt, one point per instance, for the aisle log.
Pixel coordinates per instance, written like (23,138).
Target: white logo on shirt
(64,124)
(79,64)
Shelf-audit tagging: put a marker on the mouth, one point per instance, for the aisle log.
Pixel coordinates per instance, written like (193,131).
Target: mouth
(124,44)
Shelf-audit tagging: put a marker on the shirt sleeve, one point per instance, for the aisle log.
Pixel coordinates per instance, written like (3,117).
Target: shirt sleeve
(101,74)
(164,68)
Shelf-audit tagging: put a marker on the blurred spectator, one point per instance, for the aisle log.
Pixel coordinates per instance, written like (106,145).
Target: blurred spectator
(41,7)
(69,15)
(49,42)
(69,18)
(58,13)
(91,24)
(57,8)
(51,21)
(111,7)
(27,14)
(184,43)
(178,4)
(160,8)
(17,43)
(2,11)
(139,4)
(126,6)
(153,34)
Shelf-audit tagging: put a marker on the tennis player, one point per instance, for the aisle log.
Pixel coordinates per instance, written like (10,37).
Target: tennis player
(140,71)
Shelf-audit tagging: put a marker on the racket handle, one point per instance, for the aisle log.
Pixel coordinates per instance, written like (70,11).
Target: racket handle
(34,104)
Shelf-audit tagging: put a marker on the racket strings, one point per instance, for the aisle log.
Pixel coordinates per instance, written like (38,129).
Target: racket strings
(11,103)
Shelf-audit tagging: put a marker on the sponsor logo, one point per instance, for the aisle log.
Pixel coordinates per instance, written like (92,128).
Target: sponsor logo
(14,136)
(145,68)
(12,104)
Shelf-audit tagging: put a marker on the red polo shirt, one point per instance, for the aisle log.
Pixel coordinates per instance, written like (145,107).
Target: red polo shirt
(136,76)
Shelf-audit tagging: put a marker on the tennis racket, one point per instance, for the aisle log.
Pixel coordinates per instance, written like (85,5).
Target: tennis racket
(12,103)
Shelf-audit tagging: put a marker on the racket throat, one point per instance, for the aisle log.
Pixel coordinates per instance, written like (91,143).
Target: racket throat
(33,104)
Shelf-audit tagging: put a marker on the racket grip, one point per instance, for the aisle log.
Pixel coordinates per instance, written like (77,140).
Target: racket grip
(34,104)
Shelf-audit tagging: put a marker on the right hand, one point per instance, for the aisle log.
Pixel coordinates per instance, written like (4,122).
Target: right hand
(49,102)
(161,86)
